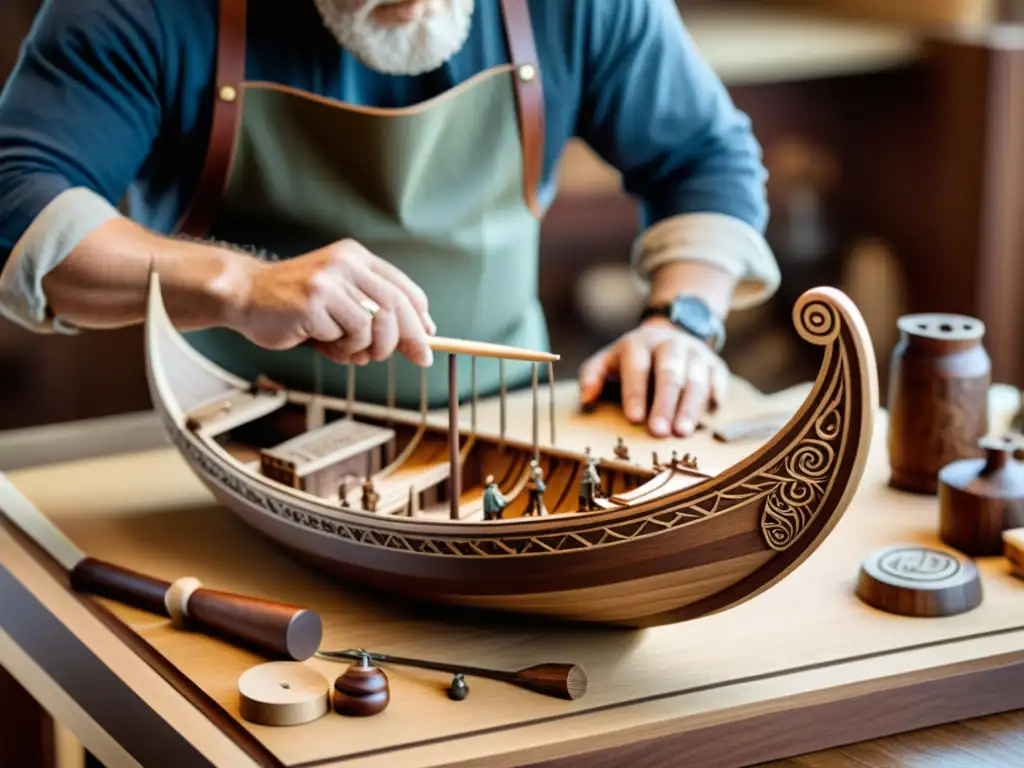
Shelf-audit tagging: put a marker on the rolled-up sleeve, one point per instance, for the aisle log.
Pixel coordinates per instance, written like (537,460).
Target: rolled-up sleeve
(79,116)
(654,109)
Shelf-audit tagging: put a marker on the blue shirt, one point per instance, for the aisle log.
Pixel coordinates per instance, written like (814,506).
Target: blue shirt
(116,96)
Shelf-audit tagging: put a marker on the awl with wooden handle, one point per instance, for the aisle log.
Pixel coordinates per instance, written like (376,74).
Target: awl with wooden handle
(277,629)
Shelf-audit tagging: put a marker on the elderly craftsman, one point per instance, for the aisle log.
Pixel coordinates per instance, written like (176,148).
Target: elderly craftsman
(315,170)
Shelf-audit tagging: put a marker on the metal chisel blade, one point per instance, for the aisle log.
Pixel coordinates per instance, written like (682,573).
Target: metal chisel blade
(17,508)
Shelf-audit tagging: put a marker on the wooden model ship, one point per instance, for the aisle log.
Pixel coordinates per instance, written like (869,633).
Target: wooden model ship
(394,500)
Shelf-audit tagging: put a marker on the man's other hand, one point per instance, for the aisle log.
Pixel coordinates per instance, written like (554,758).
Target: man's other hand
(689,379)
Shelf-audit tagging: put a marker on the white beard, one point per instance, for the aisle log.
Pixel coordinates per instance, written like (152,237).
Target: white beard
(410,48)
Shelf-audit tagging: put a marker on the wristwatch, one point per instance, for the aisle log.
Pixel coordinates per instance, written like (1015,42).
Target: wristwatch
(693,315)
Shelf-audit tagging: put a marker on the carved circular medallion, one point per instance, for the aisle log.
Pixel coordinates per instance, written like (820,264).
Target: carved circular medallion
(911,580)
(918,564)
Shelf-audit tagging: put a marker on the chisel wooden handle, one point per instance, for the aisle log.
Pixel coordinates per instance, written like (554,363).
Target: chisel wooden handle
(276,628)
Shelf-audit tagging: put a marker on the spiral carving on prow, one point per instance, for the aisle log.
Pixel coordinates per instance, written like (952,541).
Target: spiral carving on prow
(817,320)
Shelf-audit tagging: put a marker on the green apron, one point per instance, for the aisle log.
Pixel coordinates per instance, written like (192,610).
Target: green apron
(444,190)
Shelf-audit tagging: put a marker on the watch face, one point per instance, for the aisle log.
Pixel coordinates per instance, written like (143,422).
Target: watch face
(694,315)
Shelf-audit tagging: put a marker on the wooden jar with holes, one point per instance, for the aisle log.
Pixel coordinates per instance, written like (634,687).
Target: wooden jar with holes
(940,375)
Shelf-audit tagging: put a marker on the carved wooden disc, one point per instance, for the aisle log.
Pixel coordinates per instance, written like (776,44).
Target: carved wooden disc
(912,580)
(283,693)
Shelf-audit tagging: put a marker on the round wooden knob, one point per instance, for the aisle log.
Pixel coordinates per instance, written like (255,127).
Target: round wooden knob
(459,688)
(361,690)
(981,498)
(912,580)
(283,693)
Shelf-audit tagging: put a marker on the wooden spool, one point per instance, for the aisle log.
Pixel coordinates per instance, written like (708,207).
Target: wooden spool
(362,690)
(981,498)
(283,693)
(911,580)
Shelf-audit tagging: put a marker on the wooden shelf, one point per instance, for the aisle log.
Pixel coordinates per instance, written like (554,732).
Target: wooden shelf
(750,44)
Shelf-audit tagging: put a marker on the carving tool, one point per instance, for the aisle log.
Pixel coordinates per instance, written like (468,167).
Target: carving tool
(563,681)
(277,628)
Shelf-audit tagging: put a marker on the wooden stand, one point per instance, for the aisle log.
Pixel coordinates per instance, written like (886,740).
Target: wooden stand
(776,676)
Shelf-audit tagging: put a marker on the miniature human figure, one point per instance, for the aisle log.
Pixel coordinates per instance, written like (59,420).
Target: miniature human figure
(590,484)
(370,496)
(536,489)
(343,494)
(621,451)
(494,501)
(654,462)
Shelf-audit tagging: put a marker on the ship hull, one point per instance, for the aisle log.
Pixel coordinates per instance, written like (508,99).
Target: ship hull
(672,558)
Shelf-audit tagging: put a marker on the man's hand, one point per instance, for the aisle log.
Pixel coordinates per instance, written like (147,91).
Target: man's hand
(689,379)
(321,298)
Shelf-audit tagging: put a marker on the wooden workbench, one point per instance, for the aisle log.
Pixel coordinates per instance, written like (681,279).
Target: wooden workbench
(803,667)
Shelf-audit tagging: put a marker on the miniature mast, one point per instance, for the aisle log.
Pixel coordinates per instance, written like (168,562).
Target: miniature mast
(455,347)
(455,473)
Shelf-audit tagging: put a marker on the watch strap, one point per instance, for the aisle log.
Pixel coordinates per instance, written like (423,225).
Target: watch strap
(711,332)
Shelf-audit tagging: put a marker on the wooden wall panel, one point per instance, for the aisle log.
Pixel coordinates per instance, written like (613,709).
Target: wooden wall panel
(904,11)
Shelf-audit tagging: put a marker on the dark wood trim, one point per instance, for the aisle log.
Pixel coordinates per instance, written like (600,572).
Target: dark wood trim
(26,729)
(115,707)
(971,189)
(902,703)
(803,727)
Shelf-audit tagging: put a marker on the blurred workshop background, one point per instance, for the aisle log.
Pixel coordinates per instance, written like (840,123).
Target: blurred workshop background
(893,131)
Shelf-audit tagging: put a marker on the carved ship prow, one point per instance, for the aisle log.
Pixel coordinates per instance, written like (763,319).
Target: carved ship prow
(662,545)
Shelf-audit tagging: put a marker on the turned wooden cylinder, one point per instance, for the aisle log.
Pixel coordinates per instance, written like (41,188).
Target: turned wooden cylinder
(981,498)
(362,690)
(940,375)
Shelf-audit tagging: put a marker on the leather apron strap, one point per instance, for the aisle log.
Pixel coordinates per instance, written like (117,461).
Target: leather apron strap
(231,51)
(529,94)
(227,112)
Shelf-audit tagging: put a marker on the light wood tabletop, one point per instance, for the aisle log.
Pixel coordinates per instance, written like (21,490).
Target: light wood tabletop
(803,668)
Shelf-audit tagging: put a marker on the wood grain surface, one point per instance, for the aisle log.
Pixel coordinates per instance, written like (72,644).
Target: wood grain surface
(802,667)
(990,742)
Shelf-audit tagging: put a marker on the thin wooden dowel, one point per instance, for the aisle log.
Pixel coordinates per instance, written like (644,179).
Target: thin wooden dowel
(391,386)
(315,409)
(551,404)
(351,390)
(423,395)
(502,403)
(453,436)
(472,407)
(536,417)
(485,349)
